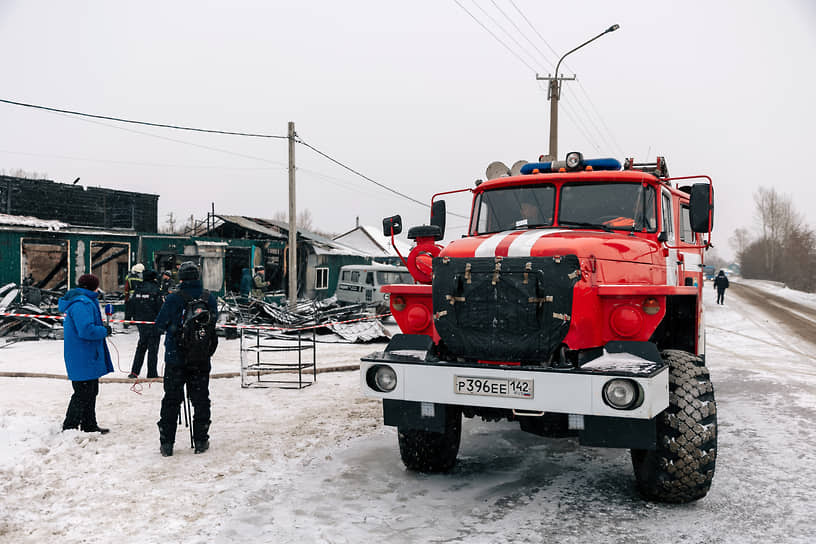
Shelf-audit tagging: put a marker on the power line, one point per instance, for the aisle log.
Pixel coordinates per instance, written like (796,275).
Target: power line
(377,183)
(92,118)
(523,35)
(575,117)
(508,34)
(586,93)
(600,117)
(207,147)
(353,171)
(494,36)
(145,123)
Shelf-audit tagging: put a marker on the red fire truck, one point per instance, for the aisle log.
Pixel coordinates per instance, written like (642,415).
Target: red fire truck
(573,306)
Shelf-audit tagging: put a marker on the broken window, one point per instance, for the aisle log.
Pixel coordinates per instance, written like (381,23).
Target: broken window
(44,263)
(110,262)
(322,278)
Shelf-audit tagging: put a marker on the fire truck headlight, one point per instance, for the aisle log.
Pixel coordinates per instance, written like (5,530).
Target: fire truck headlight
(398,303)
(574,160)
(381,378)
(651,306)
(622,394)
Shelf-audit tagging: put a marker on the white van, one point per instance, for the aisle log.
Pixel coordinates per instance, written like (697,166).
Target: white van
(360,283)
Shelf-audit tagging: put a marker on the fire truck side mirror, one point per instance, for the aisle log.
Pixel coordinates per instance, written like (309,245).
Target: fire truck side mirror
(701,208)
(394,222)
(438,215)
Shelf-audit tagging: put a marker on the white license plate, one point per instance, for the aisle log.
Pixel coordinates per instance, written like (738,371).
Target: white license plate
(493,387)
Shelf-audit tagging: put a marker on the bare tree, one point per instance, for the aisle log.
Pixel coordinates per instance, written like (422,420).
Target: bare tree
(777,221)
(786,248)
(20,173)
(740,239)
(304,218)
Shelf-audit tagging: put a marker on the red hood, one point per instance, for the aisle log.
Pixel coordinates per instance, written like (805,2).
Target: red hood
(610,246)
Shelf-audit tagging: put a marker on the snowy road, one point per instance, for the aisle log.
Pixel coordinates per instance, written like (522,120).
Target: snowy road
(317,465)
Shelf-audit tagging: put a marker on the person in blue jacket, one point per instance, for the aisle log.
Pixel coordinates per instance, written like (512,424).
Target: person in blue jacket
(86,353)
(179,372)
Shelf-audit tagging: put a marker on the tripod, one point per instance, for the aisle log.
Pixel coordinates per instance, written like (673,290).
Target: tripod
(188,416)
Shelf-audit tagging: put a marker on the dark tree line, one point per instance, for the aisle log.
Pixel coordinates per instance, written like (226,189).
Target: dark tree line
(784,249)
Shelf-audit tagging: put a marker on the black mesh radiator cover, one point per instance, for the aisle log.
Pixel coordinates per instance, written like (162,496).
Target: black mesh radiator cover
(503,309)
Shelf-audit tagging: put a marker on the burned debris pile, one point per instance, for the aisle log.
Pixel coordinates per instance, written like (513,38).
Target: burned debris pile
(332,322)
(31,301)
(353,323)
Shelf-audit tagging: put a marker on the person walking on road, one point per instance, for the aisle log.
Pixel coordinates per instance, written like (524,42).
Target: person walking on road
(181,370)
(721,284)
(145,305)
(86,353)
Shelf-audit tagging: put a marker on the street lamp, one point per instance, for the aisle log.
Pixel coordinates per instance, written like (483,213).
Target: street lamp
(554,93)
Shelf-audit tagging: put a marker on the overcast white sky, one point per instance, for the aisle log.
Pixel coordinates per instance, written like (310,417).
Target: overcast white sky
(415,95)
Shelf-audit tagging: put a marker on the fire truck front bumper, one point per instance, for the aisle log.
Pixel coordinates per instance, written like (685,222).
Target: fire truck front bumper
(629,380)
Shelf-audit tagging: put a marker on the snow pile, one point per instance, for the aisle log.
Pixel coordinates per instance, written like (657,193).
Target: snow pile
(28,221)
(780,290)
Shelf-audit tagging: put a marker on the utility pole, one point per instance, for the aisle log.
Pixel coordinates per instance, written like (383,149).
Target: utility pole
(292,221)
(554,94)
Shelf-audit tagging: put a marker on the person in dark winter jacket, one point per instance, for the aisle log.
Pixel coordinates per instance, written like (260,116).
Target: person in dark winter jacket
(167,283)
(721,284)
(86,354)
(179,372)
(145,305)
(133,279)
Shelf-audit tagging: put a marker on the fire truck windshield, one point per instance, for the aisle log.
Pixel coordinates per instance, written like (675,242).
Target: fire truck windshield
(513,208)
(620,206)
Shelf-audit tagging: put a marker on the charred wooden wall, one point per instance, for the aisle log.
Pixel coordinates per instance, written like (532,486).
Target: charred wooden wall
(77,205)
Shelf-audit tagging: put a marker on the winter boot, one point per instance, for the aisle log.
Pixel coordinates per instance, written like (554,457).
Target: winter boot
(166,449)
(201,446)
(95,429)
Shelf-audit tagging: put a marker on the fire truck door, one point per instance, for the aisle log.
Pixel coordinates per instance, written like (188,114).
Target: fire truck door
(668,228)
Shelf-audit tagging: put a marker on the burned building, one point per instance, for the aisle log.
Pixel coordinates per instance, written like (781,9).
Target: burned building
(78,205)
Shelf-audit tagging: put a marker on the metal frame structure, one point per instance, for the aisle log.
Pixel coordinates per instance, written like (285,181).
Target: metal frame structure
(255,371)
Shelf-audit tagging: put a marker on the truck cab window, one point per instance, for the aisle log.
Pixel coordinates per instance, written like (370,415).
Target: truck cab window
(514,208)
(619,206)
(668,225)
(685,225)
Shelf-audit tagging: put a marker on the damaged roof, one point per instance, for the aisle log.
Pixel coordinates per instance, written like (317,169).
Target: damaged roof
(280,230)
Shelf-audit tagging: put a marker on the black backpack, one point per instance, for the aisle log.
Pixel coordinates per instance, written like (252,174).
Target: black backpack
(196,338)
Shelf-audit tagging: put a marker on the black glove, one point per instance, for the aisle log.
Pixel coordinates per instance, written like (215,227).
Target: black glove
(109,329)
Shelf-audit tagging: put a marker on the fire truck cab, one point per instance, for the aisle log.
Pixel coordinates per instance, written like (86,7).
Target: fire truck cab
(572,306)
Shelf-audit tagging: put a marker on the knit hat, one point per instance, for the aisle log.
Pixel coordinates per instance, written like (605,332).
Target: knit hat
(88,281)
(138,268)
(188,271)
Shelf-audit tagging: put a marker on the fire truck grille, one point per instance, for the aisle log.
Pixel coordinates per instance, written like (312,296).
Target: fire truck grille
(503,309)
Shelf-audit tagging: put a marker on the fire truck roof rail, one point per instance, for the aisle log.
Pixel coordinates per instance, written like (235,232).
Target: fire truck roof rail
(658,168)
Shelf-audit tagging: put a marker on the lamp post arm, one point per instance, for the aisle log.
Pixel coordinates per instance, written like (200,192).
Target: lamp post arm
(610,29)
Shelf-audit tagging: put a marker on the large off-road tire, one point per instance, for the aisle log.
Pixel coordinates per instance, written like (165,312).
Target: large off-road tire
(426,451)
(682,467)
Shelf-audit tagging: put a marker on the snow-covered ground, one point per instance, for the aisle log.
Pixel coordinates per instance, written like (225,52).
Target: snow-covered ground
(316,465)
